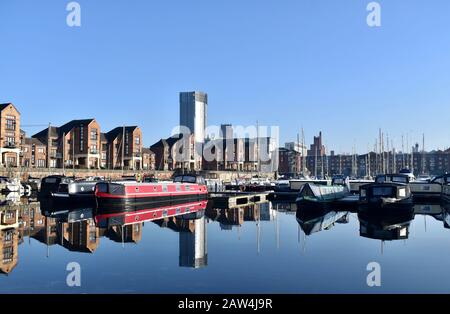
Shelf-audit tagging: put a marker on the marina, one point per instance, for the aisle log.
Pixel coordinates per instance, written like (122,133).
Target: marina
(165,242)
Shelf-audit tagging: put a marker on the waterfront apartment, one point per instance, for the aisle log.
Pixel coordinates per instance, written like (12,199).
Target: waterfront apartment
(124,148)
(74,144)
(9,135)
(176,152)
(33,152)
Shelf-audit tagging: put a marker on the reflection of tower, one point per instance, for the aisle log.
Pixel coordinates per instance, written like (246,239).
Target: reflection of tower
(193,246)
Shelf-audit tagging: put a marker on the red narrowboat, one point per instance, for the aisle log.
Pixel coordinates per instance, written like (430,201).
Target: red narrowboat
(131,196)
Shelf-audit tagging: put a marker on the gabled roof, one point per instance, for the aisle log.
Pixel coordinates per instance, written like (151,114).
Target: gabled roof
(44,133)
(66,128)
(169,141)
(5,105)
(114,133)
(147,151)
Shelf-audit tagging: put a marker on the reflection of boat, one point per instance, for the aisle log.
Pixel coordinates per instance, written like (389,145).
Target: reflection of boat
(427,209)
(317,196)
(104,218)
(131,196)
(313,221)
(385,226)
(446,193)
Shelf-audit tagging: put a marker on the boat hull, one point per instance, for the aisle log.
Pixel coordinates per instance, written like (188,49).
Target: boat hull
(138,203)
(387,205)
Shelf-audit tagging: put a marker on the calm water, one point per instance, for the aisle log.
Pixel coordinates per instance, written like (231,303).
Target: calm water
(265,248)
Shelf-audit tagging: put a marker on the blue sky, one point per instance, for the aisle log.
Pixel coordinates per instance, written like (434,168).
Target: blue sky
(292,63)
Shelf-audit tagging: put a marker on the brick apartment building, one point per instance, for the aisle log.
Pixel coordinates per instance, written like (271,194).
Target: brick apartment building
(127,142)
(74,144)
(176,152)
(9,135)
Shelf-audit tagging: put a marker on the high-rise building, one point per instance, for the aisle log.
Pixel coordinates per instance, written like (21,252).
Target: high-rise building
(193,113)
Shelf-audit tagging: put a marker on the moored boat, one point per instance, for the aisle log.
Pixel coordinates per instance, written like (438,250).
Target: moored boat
(320,197)
(446,193)
(385,195)
(429,189)
(129,196)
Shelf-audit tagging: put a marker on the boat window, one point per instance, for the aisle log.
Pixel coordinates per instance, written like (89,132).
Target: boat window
(381,179)
(402,192)
(164,188)
(50,180)
(178,187)
(102,187)
(383,191)
(116,189)
(439,180)
(189,179)
(178,179)
(400,179)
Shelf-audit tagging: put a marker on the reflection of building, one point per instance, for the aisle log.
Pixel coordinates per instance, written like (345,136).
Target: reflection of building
(80,236)
(9,242)
(266,212)
(127,234)
(48,233)
(9,238)
(252,213)
(193,245)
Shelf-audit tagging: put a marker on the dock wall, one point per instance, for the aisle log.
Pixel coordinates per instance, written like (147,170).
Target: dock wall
(25,173)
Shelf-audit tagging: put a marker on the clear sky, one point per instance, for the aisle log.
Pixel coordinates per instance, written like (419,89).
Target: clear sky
(292,63)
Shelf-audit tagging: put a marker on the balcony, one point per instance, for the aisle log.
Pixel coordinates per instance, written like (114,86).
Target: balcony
(93,151)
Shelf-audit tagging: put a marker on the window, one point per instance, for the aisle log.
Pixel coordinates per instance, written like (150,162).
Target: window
(138,140)
(10,140)
(40,150)
(94,134)
(94,149)
(81,137)
(11,123)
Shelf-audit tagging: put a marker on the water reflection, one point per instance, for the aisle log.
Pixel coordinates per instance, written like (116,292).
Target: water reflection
(202,233)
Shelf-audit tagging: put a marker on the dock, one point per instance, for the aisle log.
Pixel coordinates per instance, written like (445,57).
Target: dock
(237,199)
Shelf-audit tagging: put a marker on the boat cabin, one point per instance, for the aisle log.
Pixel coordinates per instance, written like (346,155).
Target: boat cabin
(393,178)
(53,184)
(444,179)
(189,178)
(382,190)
